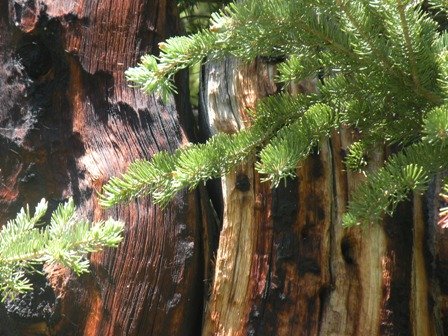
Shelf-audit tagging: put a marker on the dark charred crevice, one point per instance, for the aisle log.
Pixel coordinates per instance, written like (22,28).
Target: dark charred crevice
(38,140)
(184,110)
(437,264)
(396,315)
(34,306)
(285,204)
(35,56)
(348,250)
(242,182)
(8,326)
(3,11)
(284,254)
(324,299)
(207,247)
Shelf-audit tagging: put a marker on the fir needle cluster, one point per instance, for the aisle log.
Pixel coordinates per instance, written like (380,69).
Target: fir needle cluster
(25,243)
(384,65)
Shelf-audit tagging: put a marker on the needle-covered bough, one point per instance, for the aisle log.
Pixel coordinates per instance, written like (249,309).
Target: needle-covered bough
(384,70)
(25,244)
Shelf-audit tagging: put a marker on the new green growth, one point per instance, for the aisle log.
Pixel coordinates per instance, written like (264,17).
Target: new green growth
(25,243)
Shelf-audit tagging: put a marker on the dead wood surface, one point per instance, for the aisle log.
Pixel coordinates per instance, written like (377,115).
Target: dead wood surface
(285,265)
(68,122)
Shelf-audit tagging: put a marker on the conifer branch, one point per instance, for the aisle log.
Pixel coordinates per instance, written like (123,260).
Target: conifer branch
(384,65)
(408,43)
(280,158)
(23,244)
(409,170)
(356,157)
(347,7)
(166,174)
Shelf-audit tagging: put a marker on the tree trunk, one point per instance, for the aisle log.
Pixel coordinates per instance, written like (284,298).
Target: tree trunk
(68,122)
(285,265)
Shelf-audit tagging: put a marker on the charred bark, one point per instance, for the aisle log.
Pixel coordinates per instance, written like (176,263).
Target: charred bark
(68,122)
(285,265)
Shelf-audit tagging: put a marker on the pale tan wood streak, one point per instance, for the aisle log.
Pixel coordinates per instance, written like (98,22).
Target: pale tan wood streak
(422,320)
(230,89)
(356,257)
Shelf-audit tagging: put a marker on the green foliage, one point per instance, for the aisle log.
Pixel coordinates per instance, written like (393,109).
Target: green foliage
(356,156)
(166,174)
(195,14)
(294,142)
(384,70)
(24,243)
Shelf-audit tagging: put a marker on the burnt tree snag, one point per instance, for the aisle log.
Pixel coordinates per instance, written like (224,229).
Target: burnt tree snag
(286,266)
(68,122)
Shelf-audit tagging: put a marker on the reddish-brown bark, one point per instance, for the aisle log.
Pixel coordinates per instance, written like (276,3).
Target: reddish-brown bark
(68,122)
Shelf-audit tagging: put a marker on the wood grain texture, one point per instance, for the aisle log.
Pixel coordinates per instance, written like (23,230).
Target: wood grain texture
(224,102)
(286,266)
(69,122)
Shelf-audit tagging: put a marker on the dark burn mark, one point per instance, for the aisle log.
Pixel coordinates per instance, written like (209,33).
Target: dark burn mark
(312,304)
(17,11)
(324,298)
(307,231)
(8,327)
(35,57)
(312,201)
(73,19)
(76,144)
(317,167)
(242,182)
(285,204)
(257,323)
(444,321)
(347,250)
(285,245)
(30,174)
(308,265)
(395,314)
(320,213)
(24,14)
(276,299)
(442,274)
(285,214)
(36,305)
(273,59)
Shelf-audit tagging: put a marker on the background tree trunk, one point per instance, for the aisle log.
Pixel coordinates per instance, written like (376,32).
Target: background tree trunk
(68,121)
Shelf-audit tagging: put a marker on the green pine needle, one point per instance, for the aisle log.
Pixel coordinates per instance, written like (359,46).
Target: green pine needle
(66,241)
(383,69)
(356,156)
